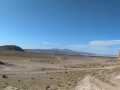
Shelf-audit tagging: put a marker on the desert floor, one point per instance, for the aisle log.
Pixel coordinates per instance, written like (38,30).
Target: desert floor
(39,71)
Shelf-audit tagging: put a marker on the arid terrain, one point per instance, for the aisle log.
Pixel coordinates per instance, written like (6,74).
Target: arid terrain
(40,71)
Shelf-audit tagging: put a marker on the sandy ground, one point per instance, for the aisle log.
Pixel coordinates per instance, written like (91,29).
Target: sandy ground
(91,83)
(33,71)
(10,88)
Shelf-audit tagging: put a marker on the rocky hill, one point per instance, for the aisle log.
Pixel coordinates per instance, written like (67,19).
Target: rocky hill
(11,47)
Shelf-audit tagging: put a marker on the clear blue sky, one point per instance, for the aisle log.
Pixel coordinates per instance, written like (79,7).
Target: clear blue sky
(81,25)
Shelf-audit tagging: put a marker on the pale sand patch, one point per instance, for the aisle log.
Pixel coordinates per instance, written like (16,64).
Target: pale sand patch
(91,83)
(86,85)
(117,77)
(11,88)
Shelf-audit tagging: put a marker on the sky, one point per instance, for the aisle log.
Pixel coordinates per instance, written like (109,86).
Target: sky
(80,25)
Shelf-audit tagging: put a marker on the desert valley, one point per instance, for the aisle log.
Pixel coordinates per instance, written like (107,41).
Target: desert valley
(20,70)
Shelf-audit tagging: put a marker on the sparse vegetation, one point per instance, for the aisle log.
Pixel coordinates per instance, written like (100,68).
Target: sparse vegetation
(35,71)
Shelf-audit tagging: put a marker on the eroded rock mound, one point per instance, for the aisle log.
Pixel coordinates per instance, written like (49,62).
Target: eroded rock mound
(1,63)
(11,47)
(4,76)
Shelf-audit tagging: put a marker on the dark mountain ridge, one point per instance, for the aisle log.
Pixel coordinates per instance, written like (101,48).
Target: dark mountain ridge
(11,47)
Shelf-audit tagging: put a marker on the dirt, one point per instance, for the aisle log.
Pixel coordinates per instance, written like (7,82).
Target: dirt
(91,83)
(11,88)
(40,71)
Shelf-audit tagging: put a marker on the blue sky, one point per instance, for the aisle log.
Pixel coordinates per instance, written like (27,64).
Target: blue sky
(81,25)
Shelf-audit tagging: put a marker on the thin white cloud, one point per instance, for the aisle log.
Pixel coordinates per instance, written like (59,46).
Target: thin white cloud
(46,43)
(99,47)
(78,46)
(50,43)
(104,43)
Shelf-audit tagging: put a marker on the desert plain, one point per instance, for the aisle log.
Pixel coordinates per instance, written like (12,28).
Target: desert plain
(47,71)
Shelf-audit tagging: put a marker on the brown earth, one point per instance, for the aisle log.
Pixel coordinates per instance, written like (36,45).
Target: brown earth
(40,71)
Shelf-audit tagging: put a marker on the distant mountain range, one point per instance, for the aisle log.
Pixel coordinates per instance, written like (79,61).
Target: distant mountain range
(55,51)
(59,51)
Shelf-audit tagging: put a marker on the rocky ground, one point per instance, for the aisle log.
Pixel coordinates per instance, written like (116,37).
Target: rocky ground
(40,71)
